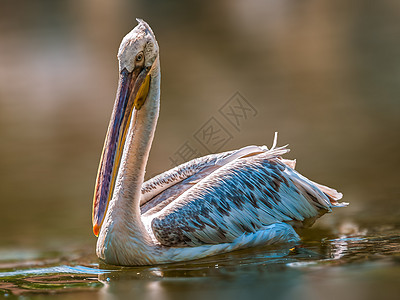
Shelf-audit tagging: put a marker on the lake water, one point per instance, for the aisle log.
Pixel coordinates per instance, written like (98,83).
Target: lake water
(353,266)
(324,74)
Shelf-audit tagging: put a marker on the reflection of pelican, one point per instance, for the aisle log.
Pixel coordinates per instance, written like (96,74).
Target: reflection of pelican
(210,205)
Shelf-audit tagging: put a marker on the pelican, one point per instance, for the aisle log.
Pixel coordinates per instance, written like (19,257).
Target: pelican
(207,206)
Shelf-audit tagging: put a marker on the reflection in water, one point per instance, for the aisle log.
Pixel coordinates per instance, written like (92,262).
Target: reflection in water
(52,270)
(290,270)
(339,247)
(200,278)
(57,279)
(350,233)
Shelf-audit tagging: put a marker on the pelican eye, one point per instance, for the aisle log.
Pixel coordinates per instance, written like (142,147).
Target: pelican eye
(139,57)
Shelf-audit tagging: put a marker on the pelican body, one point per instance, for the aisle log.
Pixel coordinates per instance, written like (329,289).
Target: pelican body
(210,205)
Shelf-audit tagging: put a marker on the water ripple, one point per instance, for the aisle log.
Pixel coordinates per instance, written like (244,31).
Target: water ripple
(55,270)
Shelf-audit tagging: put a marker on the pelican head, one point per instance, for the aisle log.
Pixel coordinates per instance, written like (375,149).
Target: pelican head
(137,56)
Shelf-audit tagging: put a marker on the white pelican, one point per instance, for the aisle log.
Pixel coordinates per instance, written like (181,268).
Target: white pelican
(210,205)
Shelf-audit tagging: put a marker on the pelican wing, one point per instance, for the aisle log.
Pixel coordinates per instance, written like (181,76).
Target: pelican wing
(166,187)
(242,196)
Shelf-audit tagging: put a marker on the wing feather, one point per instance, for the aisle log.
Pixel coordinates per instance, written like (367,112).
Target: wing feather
(166,187)
(242,196)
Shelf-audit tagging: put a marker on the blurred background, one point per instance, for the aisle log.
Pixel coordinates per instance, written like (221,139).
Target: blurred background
(324,74)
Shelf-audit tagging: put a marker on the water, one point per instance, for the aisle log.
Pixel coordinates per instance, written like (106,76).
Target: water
(353,266)
(325,74)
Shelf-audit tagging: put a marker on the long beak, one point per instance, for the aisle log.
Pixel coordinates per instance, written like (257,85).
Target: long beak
(132,91)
